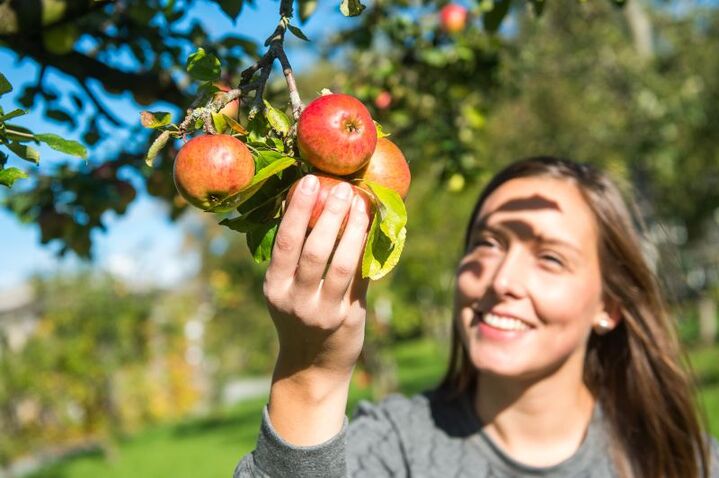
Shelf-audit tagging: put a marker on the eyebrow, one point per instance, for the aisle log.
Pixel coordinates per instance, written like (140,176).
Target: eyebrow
(524,232)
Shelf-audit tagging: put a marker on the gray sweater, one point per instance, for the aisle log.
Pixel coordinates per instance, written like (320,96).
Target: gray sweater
(419,437)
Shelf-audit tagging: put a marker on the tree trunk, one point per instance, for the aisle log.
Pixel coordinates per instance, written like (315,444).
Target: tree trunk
(707,319)
(641,27)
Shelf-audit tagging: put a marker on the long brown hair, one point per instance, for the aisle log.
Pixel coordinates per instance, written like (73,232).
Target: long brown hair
(638,371)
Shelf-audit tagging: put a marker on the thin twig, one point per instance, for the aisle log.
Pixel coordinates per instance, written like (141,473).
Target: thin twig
(275,50)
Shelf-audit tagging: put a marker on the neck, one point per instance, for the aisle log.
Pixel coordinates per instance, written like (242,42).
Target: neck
(537,421)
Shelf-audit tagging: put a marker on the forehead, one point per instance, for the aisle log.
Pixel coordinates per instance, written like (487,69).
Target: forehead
(550,207)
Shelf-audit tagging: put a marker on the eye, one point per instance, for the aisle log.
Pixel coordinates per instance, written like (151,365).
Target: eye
(552,259)
(484,241)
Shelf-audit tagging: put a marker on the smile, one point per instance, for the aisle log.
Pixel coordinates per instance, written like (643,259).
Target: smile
(503,323)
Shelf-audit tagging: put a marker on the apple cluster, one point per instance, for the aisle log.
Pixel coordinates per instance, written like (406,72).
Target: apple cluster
(338,138)
(335,135)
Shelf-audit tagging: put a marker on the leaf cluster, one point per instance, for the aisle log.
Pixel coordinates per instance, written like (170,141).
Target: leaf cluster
(16,138)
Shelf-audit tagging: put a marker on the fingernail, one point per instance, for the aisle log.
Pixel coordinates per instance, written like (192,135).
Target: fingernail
(342,191)
(309,184)
(359,204)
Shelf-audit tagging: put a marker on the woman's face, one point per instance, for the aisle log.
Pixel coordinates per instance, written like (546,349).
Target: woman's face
(529,287)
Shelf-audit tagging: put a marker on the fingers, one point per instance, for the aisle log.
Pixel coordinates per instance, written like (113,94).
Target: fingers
(291,233)
(343,270)
(321,241)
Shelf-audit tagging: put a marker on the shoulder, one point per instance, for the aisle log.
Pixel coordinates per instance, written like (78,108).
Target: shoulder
(396,407)
(427,412)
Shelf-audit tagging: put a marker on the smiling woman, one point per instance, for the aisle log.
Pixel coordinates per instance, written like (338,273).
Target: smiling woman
(564,360)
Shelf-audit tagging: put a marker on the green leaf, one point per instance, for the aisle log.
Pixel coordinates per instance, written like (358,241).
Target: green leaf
(298,33)
(307,8)
(12,114)
(218,120)
(391,208)
(262,175)
(351,8)
(25,152)
(155,119)
(493,18)
(232,8)
(5,86)
(156,147)
(381,254)
(66,146)
(204,66)
(258,128)
(264,158)
(261,238)
(380,131)
(241,224)
(278,119)
(10,175)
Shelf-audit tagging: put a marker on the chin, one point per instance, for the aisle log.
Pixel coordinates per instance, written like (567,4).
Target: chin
(499,364)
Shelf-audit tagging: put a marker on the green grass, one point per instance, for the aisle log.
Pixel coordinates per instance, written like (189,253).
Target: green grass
(212,446)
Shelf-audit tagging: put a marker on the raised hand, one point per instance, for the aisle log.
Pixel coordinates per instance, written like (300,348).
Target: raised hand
(316,298)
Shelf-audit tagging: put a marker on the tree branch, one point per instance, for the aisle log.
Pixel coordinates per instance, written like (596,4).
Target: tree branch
(27,17)
(148,85)
(275,50)
(100,107)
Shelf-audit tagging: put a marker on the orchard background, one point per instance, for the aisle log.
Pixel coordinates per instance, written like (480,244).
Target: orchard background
(129,324)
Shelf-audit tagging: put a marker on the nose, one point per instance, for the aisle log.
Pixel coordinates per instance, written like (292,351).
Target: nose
(510,276)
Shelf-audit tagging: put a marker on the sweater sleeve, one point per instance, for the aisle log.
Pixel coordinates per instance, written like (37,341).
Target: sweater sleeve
(368,447)
(713,458)
(274,457)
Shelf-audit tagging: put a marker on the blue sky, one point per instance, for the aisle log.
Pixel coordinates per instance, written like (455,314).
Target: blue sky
(142,245)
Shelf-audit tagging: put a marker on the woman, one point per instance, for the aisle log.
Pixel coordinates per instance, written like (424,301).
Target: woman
(564,361)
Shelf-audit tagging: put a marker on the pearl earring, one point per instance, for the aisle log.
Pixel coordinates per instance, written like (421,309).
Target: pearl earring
(602,326)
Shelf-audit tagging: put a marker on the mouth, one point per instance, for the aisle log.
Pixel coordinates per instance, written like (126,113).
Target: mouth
(499,321)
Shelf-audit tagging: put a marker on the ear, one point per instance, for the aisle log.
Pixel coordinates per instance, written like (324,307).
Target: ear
(608,318)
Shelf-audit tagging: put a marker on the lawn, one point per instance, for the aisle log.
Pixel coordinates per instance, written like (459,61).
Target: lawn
(211,446)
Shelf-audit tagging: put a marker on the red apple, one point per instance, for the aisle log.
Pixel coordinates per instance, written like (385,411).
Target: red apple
(383,100)
(336,134)
(231,109)
(326,184)
(387,167)
(209,168)
(453,18)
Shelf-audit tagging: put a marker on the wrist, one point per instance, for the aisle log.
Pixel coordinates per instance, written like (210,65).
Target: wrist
(308,407)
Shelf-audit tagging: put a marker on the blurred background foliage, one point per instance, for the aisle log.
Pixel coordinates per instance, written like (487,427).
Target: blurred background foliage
(89,361)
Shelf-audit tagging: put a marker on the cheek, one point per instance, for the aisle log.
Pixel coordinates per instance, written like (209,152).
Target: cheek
(568,300)
(469,280)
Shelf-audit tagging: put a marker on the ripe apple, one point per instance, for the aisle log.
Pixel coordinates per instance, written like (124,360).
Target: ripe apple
(387,167)
(383,100)
(453,18)
(209,168)
(231,109)
(326,184)
(336,134)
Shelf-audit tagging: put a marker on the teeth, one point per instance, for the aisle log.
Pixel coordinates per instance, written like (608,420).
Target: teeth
(504,323)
